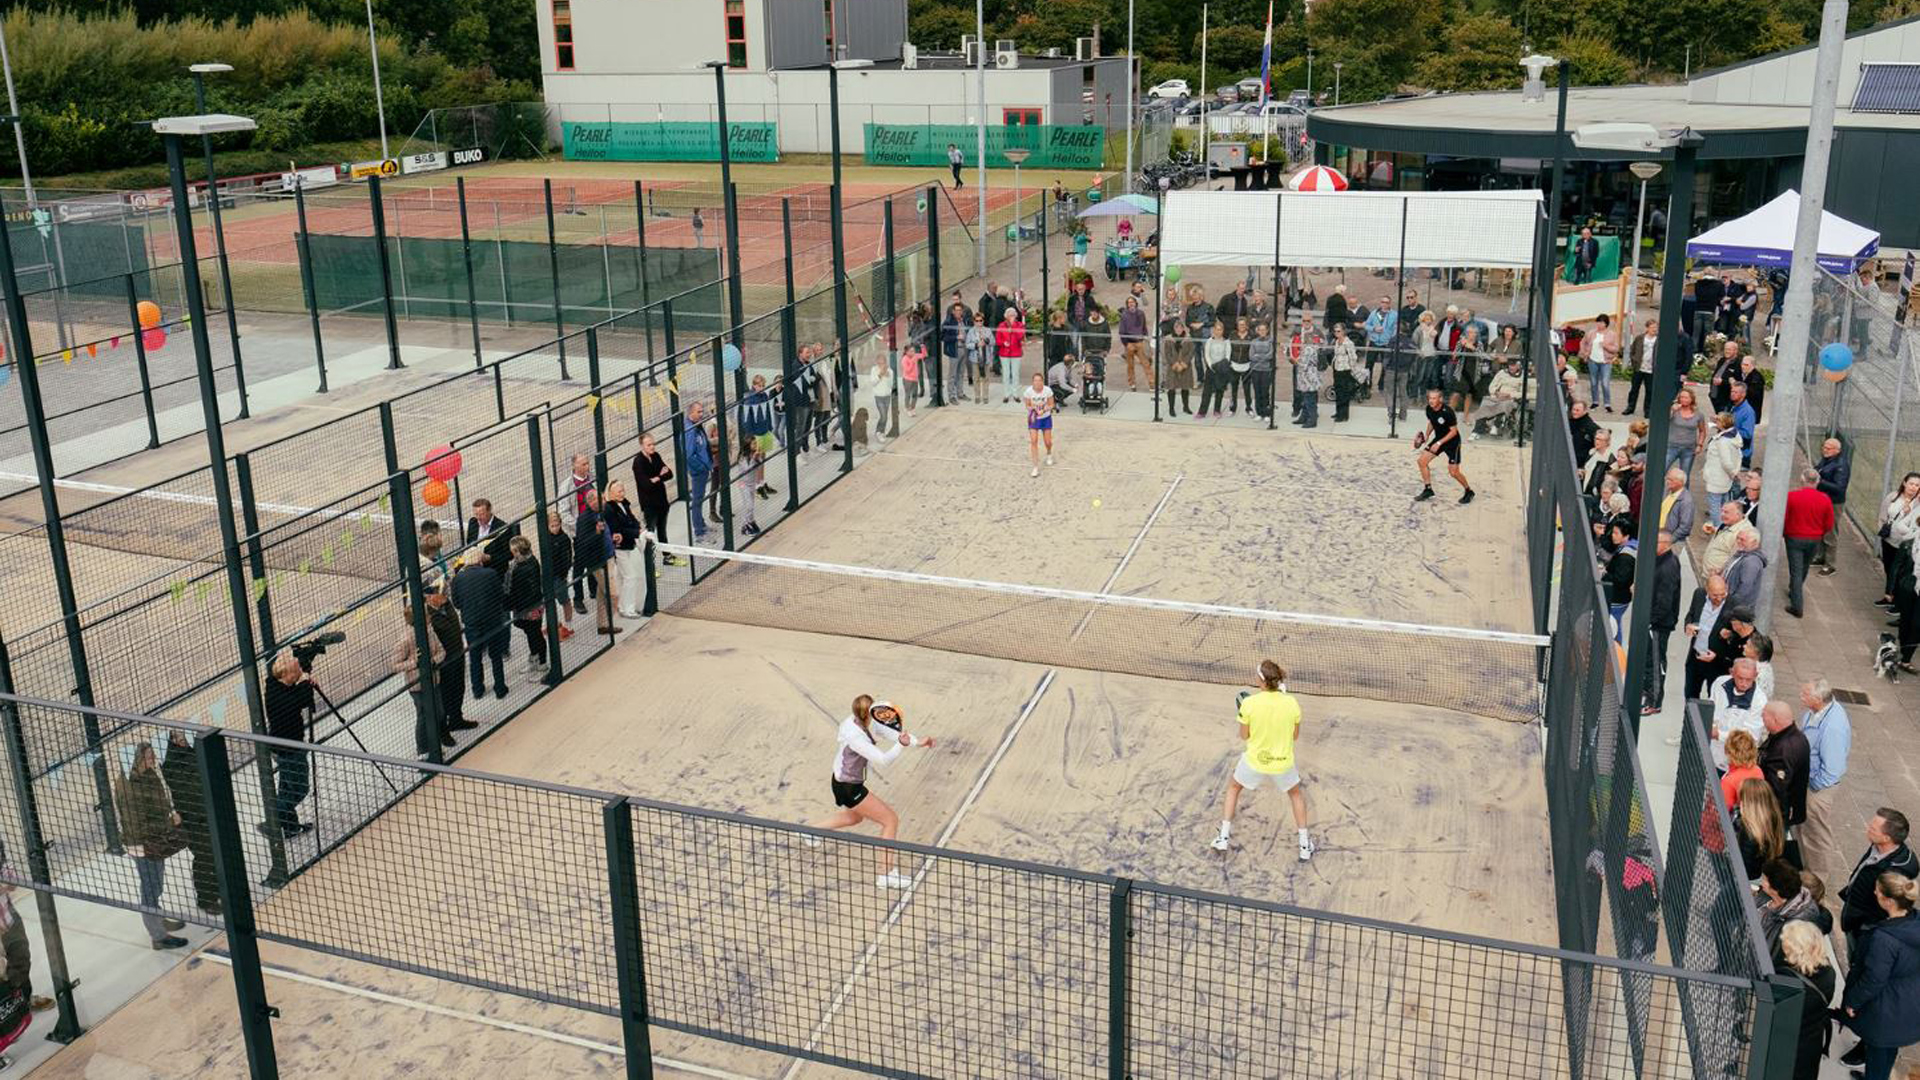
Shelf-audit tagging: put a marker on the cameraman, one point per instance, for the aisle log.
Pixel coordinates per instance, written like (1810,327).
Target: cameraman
(289,702)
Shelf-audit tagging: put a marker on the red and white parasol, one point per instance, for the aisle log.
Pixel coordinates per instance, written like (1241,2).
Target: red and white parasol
(1317,178)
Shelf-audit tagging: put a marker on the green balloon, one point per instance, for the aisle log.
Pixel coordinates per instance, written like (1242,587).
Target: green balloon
(1173,275)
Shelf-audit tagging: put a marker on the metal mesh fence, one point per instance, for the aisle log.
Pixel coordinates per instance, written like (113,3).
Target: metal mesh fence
(1875,407)
(773,935)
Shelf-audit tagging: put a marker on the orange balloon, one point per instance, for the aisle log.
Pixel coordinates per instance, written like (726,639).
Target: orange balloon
(149,314)
(435,493)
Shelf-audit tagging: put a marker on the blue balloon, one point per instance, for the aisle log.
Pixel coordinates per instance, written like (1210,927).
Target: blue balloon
(1836,357)
(730,356)
(6,373)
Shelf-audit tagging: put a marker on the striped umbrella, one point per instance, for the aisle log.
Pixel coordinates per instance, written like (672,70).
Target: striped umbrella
(1317,178)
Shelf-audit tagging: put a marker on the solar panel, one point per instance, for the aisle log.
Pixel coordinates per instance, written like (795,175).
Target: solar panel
(1888,88)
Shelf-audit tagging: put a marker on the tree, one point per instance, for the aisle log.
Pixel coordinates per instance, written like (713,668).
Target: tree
(1232,52)
(1393,35)
(931,24)
(1482,53)
(1595,61)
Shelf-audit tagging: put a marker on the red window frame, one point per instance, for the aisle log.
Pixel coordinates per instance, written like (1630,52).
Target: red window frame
(563,35)
(734,14)
(1020,117)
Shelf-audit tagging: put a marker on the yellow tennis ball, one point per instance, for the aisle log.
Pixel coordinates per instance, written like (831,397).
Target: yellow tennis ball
(1096,504)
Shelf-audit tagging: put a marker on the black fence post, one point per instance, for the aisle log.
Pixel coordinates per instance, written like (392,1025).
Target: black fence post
(1119,946)
(597,406)
(936,356)
(389,443)
(640,271)
(45,471)
(722,453)
(843,363)
(140,362)
(386,272)
(67,1028)
(429,725)
(1397,375)
(623,884)
(466,254)
(553,264)
(892,314)
(308,285)
(677,421)
(789,365)
(736,302)
(236,901)
(1779,1001)
(256,554)
(551,588)
(1279,310)
(1046,299)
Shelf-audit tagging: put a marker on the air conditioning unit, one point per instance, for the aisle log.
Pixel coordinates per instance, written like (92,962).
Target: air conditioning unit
(1005,56)
(1083,48)
(909,56)
(1054,52)
(969,51)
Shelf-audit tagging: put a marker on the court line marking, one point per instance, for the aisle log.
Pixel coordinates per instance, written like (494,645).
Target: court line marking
(489,1021)
(861,966)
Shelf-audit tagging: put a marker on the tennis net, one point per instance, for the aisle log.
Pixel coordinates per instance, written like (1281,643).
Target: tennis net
(1487,672)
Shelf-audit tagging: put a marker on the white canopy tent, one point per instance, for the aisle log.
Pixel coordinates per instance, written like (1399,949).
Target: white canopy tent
(1765,238)
(1349,228)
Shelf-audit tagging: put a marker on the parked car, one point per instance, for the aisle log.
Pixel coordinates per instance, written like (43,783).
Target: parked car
(1299,100)
(1227,94)
(1172,88)
(1249,89)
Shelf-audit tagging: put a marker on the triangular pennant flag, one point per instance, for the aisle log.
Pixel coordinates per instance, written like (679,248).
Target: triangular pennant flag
(593,401)
(93,348)
(259,589)
(161,744)
(126,757)
(53,776)
(177,590)
(90,758)
(217,711)
(115,343)
(203,590)
(66,356)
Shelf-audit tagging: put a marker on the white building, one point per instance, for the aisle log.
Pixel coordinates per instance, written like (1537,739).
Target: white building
(613,62)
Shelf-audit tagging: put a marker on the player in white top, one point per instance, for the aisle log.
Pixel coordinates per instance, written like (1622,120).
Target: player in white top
(1039,401)
(859,745)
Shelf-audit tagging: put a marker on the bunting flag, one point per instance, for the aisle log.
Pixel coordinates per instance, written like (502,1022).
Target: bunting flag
(93,348)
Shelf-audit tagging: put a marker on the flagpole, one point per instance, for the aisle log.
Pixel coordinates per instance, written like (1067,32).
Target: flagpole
(1266,86)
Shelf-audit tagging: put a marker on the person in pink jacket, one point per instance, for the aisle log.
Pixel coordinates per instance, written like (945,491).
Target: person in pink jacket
(910,358)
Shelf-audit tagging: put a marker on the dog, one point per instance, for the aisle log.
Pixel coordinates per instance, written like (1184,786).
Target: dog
(1886,658)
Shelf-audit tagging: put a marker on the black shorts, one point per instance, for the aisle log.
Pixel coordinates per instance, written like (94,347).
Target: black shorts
(848,795)
(1451,451)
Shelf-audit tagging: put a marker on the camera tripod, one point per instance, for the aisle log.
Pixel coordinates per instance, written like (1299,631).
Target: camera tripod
(352,734)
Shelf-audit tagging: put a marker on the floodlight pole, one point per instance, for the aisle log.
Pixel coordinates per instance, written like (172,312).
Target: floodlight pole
(379,100)
(980,131)
(1544,274)
(731,208)
(1790,359)
(220,244)
(1666,384)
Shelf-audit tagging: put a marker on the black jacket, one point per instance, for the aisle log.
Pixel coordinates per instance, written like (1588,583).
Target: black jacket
(1665,614)
(589,543)
(559,555)
(481,597)
(495,549)
(1858,908)
(523,586)
(286,708)
(444,621)
(1619,575)
(1725,652)
(1835,473)
(1786,760)
(1584,429)
(622,523)
(1886,995)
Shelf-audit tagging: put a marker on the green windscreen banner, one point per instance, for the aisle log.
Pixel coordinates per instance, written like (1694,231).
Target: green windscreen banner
(1050,146)
(666,140)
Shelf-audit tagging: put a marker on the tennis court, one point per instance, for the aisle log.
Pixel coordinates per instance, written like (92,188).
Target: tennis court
(1071,734)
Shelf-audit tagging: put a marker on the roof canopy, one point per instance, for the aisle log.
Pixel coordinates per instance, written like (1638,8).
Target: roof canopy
(1765,238)
(1350,228)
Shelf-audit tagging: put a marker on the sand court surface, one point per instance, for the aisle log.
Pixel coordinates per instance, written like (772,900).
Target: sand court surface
(1426,815)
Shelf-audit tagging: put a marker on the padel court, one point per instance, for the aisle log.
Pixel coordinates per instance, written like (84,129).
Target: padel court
(1071,733)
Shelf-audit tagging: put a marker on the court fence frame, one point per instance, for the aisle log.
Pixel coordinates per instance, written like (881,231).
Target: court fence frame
(1606,854)
(1091,975)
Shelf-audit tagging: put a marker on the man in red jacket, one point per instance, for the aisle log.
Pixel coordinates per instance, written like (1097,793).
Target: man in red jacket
(1809,516)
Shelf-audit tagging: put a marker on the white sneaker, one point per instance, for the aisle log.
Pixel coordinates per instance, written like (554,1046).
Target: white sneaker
(1222,842)
(894,880)
(1049,459)
(1306,848)
(1036,470)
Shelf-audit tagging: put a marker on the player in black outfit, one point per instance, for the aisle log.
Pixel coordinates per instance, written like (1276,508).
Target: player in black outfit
(1441,437)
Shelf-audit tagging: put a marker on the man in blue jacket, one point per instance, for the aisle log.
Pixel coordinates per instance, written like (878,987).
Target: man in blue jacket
(1836,471)
(696,454)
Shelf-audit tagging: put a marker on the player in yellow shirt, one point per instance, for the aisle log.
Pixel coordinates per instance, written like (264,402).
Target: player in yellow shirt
(1269,724)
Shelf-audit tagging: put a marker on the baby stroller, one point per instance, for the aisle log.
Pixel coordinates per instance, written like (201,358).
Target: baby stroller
(1093,385)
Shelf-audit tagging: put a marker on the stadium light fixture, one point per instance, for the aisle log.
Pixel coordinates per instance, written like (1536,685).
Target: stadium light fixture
(1535,88)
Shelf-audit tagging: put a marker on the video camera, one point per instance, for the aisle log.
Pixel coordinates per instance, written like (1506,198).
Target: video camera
(305,651)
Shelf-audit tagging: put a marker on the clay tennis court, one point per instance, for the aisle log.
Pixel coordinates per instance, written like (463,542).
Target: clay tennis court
(1424,814)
